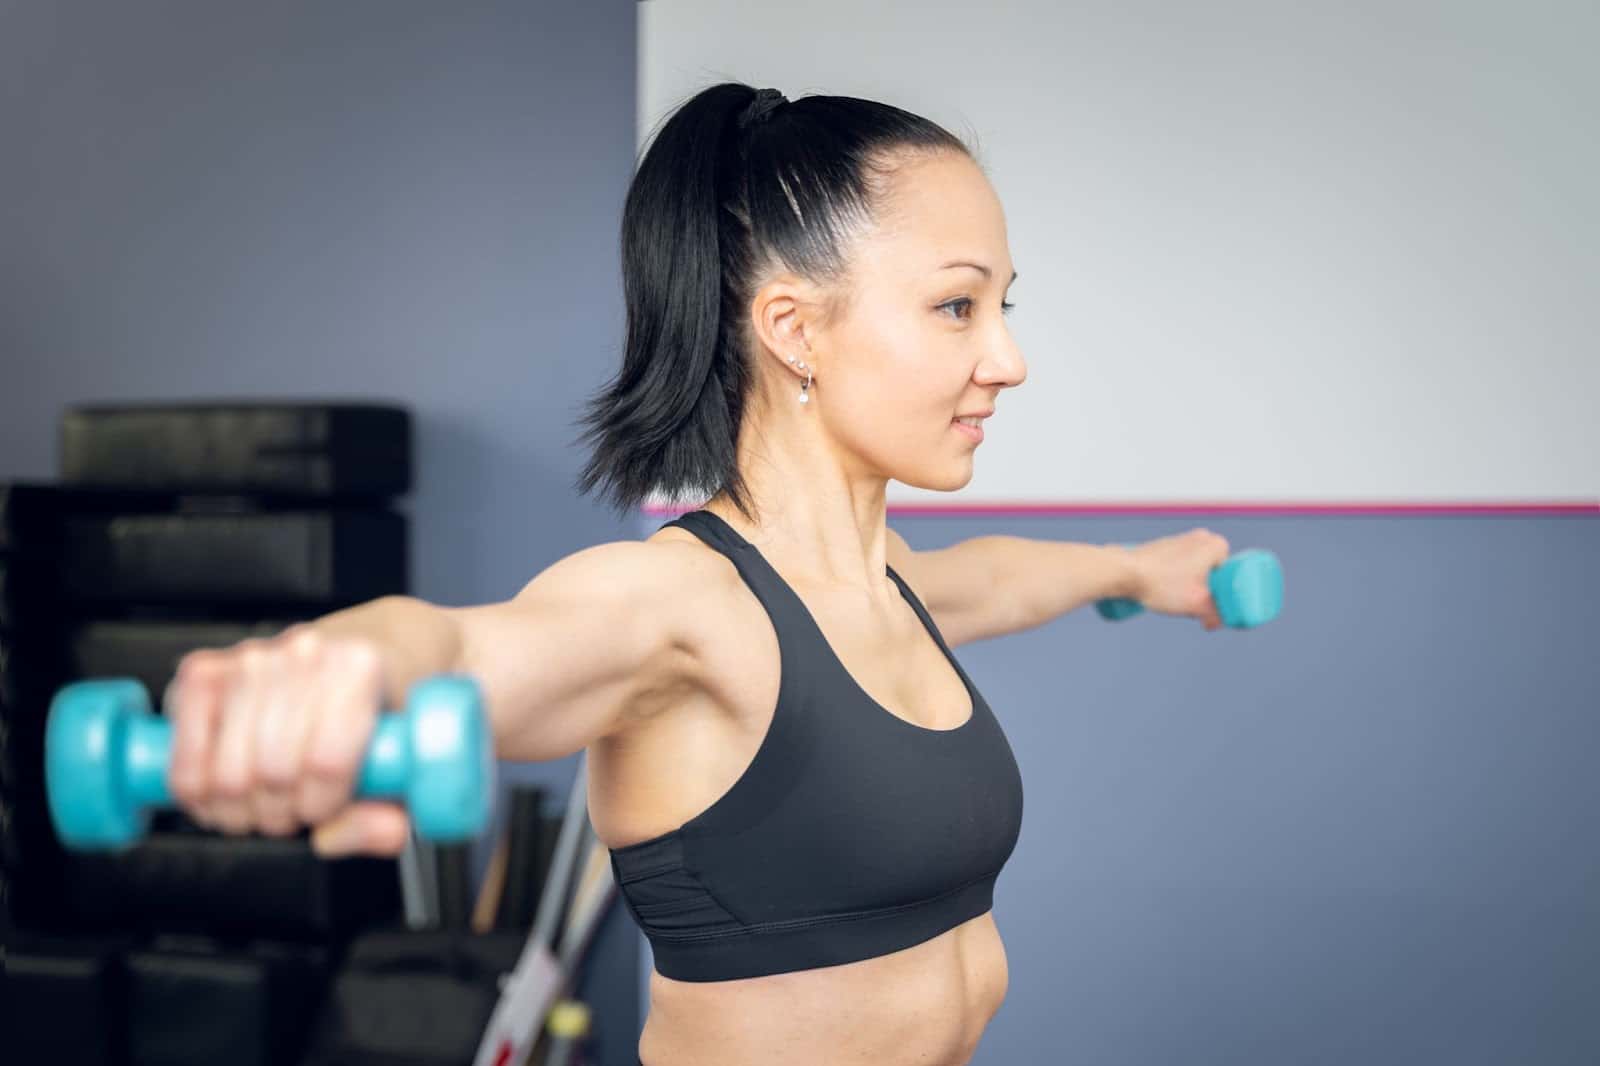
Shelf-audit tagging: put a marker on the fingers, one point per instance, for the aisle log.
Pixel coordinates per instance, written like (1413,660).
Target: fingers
(1213,552)
(1214,548)
(1177,574)
(233,769)
(270,734)
(366,827)
(283,727)
(348,697)
(193,700)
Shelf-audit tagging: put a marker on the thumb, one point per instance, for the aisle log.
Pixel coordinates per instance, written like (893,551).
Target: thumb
(365,827)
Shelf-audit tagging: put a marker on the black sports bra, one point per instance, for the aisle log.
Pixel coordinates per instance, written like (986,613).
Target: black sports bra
(852,833)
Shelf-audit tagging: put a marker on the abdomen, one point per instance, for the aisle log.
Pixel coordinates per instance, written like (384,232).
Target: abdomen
(924,1006)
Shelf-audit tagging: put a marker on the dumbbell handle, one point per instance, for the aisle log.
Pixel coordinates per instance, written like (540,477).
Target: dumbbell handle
(1247,589)
(148,757)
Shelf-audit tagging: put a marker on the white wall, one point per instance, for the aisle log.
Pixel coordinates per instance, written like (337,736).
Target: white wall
(1267,252)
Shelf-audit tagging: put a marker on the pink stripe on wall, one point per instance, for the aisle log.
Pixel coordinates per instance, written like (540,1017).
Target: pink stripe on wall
(1209,507)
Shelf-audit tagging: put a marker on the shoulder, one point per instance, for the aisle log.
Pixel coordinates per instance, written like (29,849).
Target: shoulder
(714,618)
(899,553)
(664,593)
(713,604)
(659,572)
(904,560)
(691,561)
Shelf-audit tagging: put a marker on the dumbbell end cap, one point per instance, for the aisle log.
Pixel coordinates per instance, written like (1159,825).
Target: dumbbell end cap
(1248,589)
(85,734)
(452,800)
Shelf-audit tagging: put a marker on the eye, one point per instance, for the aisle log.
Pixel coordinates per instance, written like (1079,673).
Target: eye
(962,308)
(965,303)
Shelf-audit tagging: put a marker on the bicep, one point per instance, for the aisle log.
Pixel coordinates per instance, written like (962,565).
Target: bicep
(574,655)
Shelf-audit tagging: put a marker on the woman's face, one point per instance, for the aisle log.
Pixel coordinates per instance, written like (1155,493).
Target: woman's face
(922,341)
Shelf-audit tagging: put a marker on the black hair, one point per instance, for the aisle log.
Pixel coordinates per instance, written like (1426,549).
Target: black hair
(712,206)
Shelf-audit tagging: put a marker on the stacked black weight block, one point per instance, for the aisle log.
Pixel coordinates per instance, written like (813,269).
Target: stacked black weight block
(198,1003)
(185,881)
(33,663)
(32,866)
(314,451)
(324,558)
(65,1000)
(412,998)
(174,528)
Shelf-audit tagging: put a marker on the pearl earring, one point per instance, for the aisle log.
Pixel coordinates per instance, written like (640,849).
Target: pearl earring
(805,396)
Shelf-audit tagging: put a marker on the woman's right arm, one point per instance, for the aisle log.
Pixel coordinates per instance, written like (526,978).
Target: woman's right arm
(269,733)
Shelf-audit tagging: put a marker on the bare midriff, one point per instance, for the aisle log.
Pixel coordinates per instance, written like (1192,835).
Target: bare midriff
(924,1006)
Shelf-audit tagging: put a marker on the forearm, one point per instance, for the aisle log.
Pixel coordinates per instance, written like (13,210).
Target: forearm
(1040,580)
(416,639)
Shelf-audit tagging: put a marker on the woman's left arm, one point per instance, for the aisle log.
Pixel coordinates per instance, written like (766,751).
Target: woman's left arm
(989,586)
(993,585)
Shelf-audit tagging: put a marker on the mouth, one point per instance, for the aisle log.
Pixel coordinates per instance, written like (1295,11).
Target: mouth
(971,428)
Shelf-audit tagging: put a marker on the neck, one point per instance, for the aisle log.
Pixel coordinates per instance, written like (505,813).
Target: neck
(817,511)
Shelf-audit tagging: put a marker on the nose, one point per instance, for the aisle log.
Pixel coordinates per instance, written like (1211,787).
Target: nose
(1004,365)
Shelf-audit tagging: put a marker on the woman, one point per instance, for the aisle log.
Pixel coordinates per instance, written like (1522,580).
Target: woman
(806,799)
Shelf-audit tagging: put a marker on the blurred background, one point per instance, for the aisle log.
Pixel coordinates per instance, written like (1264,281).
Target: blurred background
(1323,278)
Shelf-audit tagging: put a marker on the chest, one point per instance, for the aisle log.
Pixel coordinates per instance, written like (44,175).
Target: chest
(887,654)
(676,762)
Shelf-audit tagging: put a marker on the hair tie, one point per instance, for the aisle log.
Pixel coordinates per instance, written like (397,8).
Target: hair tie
(765,101)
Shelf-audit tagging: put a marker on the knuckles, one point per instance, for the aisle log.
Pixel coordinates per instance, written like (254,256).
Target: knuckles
(272,792)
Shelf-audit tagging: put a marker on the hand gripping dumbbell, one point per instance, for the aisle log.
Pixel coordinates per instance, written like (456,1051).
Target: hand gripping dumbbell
(107,757)
(1248,590)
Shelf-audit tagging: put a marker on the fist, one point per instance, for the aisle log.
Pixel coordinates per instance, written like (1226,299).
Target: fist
(1174,574)
(269,736)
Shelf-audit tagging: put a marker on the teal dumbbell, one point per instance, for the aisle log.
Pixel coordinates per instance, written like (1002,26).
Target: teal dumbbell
(1248,590)
(107,756)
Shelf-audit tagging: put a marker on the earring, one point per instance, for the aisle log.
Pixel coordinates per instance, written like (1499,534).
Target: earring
(805,396)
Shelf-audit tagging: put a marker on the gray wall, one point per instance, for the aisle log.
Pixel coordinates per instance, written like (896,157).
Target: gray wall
(407,201)
(1364,833)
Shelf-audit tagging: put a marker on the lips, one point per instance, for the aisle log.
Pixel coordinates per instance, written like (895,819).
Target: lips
(974,433)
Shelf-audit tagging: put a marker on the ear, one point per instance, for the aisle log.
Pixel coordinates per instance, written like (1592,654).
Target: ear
(785,316)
